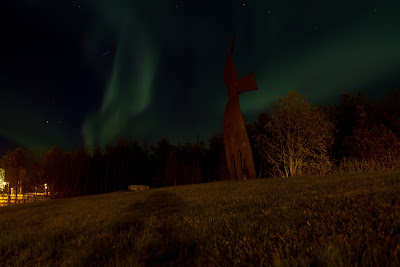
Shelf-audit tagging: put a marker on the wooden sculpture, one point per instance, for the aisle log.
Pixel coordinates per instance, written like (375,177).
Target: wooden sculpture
(236,142)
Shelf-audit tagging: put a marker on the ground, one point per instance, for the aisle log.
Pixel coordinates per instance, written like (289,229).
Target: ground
(349,219)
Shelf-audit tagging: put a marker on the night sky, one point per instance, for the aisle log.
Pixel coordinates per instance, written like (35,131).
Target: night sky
(94,71)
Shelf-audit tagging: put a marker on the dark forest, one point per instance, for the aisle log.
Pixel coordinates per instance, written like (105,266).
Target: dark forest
(291,138)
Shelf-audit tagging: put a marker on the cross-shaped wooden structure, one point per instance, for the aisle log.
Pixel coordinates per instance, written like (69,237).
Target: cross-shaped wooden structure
(238,153)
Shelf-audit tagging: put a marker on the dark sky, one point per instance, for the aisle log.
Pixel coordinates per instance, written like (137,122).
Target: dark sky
(94,71)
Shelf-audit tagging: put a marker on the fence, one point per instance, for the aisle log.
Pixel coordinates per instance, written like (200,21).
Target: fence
(8,199)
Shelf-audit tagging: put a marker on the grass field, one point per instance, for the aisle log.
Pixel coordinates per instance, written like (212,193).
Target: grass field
(351,219)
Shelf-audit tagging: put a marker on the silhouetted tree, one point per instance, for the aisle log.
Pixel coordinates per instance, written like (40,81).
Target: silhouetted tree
(216,160)
(160,153)
(191,158)
(254,130)
(55,171)
(388,112)
(172,169)
(345,116)
(34,171)
(14,162)
(97,171)
(377,146)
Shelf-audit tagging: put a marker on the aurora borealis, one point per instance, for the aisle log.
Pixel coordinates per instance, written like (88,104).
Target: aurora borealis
(92,72)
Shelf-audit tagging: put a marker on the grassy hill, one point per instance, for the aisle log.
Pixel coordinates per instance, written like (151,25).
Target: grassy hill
(351,219)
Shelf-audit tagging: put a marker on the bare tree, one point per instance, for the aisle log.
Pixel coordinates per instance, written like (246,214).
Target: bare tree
(296,139)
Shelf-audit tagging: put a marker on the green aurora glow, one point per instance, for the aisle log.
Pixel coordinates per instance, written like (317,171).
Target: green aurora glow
(163,76)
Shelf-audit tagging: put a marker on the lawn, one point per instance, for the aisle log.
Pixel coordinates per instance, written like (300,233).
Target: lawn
(351,219)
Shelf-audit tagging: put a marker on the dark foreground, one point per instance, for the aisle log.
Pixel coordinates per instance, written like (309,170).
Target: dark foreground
(351,219)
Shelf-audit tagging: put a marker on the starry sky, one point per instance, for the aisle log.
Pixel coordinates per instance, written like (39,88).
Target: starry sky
(94,71)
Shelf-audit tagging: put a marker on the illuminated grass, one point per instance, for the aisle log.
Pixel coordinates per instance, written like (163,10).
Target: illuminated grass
(351,219)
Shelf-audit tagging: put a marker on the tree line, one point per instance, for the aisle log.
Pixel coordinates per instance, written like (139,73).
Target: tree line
(291,138)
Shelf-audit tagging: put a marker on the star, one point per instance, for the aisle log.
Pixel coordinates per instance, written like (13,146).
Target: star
(105,53)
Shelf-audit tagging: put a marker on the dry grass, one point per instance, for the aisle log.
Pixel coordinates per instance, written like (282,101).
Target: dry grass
(351,219)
